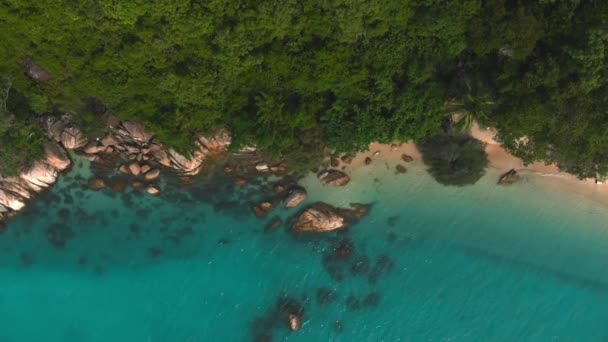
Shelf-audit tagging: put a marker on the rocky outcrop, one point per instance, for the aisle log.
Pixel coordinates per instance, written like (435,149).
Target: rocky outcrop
(16,191)
(34,71)
(56,156)
(333,178)
(64,131)
(294,197)
(322,217)
(319,217)
(135,131)
(509,177)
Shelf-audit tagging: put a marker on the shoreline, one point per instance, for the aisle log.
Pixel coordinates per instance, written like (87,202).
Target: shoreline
(547,176)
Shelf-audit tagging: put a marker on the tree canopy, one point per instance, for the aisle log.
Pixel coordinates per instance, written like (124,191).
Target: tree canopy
(345,72)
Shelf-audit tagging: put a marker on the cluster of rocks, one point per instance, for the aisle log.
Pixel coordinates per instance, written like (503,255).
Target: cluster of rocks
(16,191)
(141,155)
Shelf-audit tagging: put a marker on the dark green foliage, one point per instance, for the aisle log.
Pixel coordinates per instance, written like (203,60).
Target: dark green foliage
(454,159)
(345,72)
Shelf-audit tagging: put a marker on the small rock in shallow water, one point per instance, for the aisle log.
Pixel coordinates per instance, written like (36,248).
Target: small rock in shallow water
(153,191)
(407,158)
(97,184)
(274,224)
(368,160)
(135,169)
(400,168)
(137,185)
(240,181)
(294,197)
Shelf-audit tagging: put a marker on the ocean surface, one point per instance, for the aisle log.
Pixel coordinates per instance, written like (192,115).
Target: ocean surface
(429,263)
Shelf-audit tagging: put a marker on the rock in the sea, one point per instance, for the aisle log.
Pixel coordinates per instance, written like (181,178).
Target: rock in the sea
(34,71)
(266,205)
(294,197)
(152,174)
(400,168)
(145,168)
(368,160)
(73,138)
(509,177)
(334,178)
(137,184)
(295,321)
(56,156)
(153,191)
(134,169)
(262,167)
(274,224)
(240,181)
(97,184)
(124,168)
(319,217)
(407,158)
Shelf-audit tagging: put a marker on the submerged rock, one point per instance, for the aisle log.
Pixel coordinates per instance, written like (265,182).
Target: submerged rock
(319,217)
(294,197)
(400,168)
(509,177)
(96,184)
(368,160)
(334,178)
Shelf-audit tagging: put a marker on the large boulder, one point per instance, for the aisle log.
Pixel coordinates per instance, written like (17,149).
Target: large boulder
(39,175)
(319,217)
(136,131)
(34,71)
(294,197)
(215,144)
(187,166)
(53,127)
(334,178)
(56,156)
(72,138)
(11,201)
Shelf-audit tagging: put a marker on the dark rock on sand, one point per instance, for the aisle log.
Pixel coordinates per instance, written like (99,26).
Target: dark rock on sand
(509,177)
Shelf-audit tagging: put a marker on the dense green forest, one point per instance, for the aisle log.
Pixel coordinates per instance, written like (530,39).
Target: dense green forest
(291,76)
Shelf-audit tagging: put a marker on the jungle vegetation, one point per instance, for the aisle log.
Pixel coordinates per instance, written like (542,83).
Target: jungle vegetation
(290,76)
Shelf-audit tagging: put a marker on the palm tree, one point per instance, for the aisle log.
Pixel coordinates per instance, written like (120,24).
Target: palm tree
(475,104)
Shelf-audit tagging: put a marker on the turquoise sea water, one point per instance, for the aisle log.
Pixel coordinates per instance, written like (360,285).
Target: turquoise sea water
(429,263)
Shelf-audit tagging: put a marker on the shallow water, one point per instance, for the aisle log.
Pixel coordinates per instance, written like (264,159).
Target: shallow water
(429,263)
